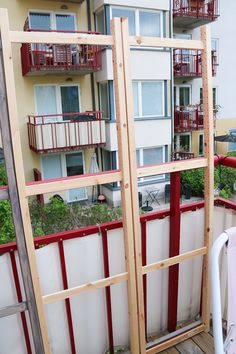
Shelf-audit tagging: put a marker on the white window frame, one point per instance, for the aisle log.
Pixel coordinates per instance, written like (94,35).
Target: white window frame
(177,88)
(64,171)
(136,17)
(53,17)
(58,97)
(140,108)
(140,163)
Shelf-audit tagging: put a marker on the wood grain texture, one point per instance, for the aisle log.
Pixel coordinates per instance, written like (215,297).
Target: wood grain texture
(205,342)
(189,347)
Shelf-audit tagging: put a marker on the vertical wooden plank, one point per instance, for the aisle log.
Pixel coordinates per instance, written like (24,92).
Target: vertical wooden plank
(126,194)
(133,181)
(209,170)
(16,182)
(174,250)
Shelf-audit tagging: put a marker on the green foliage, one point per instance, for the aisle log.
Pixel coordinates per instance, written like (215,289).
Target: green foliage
(3,175)
(194,179)
(7,233)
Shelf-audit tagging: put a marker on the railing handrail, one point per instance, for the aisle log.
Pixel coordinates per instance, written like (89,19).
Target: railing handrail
(97,114)
(61,31)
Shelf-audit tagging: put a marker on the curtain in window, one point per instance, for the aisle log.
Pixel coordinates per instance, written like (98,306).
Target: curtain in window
(152,99)
(150,24)
(65,22)
(46,102)
(40,21)
(51,166)
(130,14)
(152,156)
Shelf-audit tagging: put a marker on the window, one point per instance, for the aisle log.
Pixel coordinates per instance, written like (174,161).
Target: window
(182,142)
(100,22)
(141,22)
(106,159)
(52,21)
(150,156)
(232,146)
(63,165)
(200,145)
(148,98)
(214,44)
(214,93)
(104,99)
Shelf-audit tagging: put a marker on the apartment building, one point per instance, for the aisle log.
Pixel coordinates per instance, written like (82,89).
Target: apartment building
(65,93)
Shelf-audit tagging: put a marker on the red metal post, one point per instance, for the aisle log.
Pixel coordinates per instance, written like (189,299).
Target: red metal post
(107,290)
(19,298)
(144,262)
(174,249)
(67,301)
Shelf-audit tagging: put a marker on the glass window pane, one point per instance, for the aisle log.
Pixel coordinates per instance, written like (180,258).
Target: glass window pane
(70,99)
(152,99)
(130,14)
(65,22)
(40,21)
(74,164)
(232,146)
(138,157)
(51,166)
(185,142)
(152,156)
(201,147)
(150,24)
(106,160)
(184,96)
(100,22)
(46,103)
(135,99)
(104,100)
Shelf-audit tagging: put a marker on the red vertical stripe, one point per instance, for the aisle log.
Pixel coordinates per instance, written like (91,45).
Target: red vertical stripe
(19,298)
(144,262)
(108,291)
(67,301)
(174,249)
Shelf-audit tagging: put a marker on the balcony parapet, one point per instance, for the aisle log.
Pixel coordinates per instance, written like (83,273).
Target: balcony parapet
(188,63)
(65,132)
(41,59)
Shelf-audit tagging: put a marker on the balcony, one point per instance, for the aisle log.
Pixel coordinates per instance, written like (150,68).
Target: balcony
(188,118)
(194,13)
(44,59)
(71,131)
(188,63)
(182,155)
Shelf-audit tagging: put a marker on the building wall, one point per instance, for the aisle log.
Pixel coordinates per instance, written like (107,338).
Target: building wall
(18,11)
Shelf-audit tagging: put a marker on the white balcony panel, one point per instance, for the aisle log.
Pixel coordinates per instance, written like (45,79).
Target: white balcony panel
(148,133)
(147,4)
(69,135)
(146,65)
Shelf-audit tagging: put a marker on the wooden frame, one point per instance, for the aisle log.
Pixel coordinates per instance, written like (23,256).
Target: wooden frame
(128,174)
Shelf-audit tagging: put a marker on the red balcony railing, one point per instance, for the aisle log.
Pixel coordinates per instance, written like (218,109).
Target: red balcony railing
(188,63)
(201,9)
(58,58)
(188,118)
(63,132)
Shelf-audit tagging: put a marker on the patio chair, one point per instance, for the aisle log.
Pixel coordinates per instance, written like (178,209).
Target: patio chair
(228,346)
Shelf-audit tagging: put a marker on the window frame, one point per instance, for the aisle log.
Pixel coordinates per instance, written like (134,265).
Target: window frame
(139,154)
(140,106)
(230,131)
(177,87)
(137,19)
(53,17)
(199,136)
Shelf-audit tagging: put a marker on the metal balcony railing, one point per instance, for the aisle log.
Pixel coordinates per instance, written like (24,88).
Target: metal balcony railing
(52,58)
(188,118)
(201,9)
(63,132)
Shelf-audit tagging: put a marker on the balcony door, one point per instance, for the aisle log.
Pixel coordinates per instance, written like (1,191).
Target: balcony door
(75,166)
(182,95)
(58,100)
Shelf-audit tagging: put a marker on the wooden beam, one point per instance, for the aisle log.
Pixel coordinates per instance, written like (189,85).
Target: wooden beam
(171,342)
(16,183)
(174,260)
(165,42)
(133,181)
(128,213)
(98,284)
(13,309)
(59,38)
(209,171)
(174,247)
(66,183)
(170,167)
